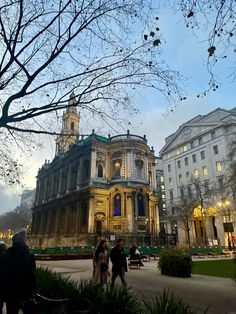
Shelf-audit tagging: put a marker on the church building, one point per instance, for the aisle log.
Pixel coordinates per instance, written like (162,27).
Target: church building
(95,187)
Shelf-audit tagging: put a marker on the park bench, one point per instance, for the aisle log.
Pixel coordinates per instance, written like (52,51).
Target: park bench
(213,254)
(225,253)
(134,264)
(154,256)
(145,257)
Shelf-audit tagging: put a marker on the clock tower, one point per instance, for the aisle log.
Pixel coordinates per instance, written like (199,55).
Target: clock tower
(70,127)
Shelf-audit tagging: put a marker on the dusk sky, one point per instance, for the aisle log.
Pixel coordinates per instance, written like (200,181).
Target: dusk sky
(157,120)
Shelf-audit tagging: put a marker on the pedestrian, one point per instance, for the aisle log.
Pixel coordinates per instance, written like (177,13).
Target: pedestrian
(21,276)
(119,263)
(101,263)
(2,274)
(135,254)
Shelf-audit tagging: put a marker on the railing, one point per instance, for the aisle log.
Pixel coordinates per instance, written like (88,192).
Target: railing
(128,137)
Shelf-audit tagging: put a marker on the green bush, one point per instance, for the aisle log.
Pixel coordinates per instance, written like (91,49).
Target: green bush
(166,303)
(175,263)
(83,296)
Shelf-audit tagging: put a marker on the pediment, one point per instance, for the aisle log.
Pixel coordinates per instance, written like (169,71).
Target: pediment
(187,133)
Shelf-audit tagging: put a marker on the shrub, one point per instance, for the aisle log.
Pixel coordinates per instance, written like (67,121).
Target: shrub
(175,263)
(84,296)
(165,303)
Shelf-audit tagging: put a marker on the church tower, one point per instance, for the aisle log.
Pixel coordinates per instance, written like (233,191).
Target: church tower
(70,127)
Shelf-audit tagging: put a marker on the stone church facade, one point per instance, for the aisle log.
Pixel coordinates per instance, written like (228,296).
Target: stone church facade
(96,187)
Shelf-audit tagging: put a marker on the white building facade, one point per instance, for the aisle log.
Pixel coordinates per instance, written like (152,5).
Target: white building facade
(199,149)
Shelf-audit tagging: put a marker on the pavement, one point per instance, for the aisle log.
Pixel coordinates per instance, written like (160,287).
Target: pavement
(218,295)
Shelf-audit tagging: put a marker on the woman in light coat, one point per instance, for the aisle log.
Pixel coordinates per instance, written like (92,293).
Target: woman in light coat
(100,263)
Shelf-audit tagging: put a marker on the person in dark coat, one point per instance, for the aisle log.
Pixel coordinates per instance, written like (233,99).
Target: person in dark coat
(2,274)
(119,263)
(21,276)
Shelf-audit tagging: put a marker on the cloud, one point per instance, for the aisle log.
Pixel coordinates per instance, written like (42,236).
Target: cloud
(8,199)
(156,125)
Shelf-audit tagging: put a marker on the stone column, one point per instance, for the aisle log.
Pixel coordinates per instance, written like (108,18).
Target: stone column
(107,165)
(68,185)
(60,182)
(93,163)
(78,175)
(77,219)
(45,189)
(91,215)
(129,209)
(52,185)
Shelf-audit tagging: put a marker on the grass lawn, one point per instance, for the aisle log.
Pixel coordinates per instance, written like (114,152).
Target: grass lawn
(219,268)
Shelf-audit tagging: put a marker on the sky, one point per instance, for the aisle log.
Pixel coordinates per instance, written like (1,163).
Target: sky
(156,120)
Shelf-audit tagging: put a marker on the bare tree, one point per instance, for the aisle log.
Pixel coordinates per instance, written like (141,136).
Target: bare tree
(184,209)
(15,220)
(203,195)
(104,50)
(217,21)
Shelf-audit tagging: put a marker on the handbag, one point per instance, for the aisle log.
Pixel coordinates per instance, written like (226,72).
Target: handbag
(103,267)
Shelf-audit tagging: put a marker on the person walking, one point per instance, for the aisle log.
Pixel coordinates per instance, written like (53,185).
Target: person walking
(2,274)
(119,263)
(101,263)
(21,276)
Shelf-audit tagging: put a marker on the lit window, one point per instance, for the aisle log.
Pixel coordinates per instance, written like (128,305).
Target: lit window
(177,151)
(162,179)
(117,168)
(195,172)
(194,158)
(179,164)
(117,205)
(162,187)
(202,155)
(164,205)
(186,161)
(170,181)
(215,149)
(218,166)
(185,148)
(204,170)
(141,209)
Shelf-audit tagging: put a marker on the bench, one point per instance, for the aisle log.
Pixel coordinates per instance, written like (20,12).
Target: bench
(145,258)
(225,254)
(134,264)
(212,254)
(154,256)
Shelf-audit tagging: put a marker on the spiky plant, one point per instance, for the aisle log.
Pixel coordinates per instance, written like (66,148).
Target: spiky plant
(165,303)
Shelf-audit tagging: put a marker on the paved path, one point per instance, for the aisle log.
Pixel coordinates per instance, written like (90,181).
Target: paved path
(201,292)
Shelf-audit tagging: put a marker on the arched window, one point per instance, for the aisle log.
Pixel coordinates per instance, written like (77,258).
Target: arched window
(117,167)
(141,209)
(117,205)
(72,126)
(139,167)
(100,171)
